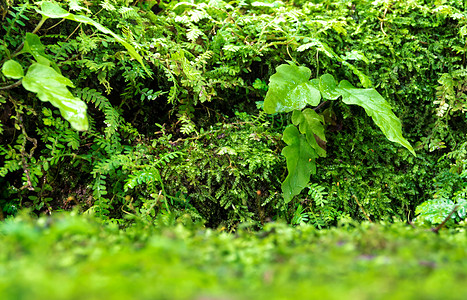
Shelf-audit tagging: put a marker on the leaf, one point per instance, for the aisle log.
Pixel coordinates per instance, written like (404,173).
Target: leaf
(364,79)
(319,46)
(53,10)
(12,69)
(34,46)
(52,87)
(290,89)
(436,210)
(356,55)
(310,124)
(376,107)
(301,164)
(328,86)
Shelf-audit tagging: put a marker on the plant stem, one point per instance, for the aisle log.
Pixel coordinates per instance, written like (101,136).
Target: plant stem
(438,228)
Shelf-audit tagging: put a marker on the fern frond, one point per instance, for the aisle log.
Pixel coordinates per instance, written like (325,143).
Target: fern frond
(148,175)
(14,21)
(129,13)
(317,193)
(93,96)
(107,5)
(193,34)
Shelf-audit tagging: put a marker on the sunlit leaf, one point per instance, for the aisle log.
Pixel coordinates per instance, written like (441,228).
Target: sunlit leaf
(34,46)
(12,69)
(52,10)
(290,89)
(377,108)
(300,159)
(52,87)
(327,87)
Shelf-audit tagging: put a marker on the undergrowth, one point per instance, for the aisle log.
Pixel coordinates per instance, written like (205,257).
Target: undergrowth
(188,138)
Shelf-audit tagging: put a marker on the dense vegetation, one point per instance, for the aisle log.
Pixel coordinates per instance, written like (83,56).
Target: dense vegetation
(70,257)
(171,120)
(174,95)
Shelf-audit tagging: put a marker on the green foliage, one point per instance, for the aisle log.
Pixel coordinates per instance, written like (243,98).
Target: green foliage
(449,192)
(54,11)
(300,162)
(12,69)
(48,83)
(208,60)
(438,210)
(228,172)
(291,90)
(92,260)
(377,108)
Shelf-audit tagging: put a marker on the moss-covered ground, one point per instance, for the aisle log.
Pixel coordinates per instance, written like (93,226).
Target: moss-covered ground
(73,257)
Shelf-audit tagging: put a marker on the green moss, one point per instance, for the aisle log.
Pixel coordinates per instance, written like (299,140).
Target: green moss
(73,257)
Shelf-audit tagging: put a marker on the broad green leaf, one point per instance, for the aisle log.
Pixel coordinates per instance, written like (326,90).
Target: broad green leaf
(327,87)
(12,69)
(52,87)
(290,89)
(376,107)
(53,10)
(34,46)
(310,124)
(300,159)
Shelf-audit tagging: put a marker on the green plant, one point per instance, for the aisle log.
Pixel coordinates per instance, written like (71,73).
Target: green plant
(299,216)
(210,62)
(91,259)
(44,77)
(291,90)
(449,198)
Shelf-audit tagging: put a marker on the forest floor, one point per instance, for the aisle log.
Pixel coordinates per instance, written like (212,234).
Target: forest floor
(70,256)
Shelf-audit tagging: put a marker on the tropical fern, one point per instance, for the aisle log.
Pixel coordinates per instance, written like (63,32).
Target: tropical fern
(14,22)
(317,193)
(113,118)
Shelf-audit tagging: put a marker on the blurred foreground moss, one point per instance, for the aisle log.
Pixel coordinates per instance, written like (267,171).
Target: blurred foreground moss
(74,257)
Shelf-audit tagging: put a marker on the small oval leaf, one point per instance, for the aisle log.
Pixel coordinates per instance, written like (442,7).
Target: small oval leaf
(12,69)
(327,87)
(52,10)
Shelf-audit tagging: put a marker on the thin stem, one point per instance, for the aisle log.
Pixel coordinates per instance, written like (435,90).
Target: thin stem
(438,228)
(320,105)
(361,207)
(11,86)
(44,18)
(38,26)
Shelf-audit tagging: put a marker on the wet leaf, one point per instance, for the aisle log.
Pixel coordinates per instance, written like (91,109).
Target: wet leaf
(327,87)
(378,109)
(52,87)
(310,124)
(300,159)
(12,69)
(290,89)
